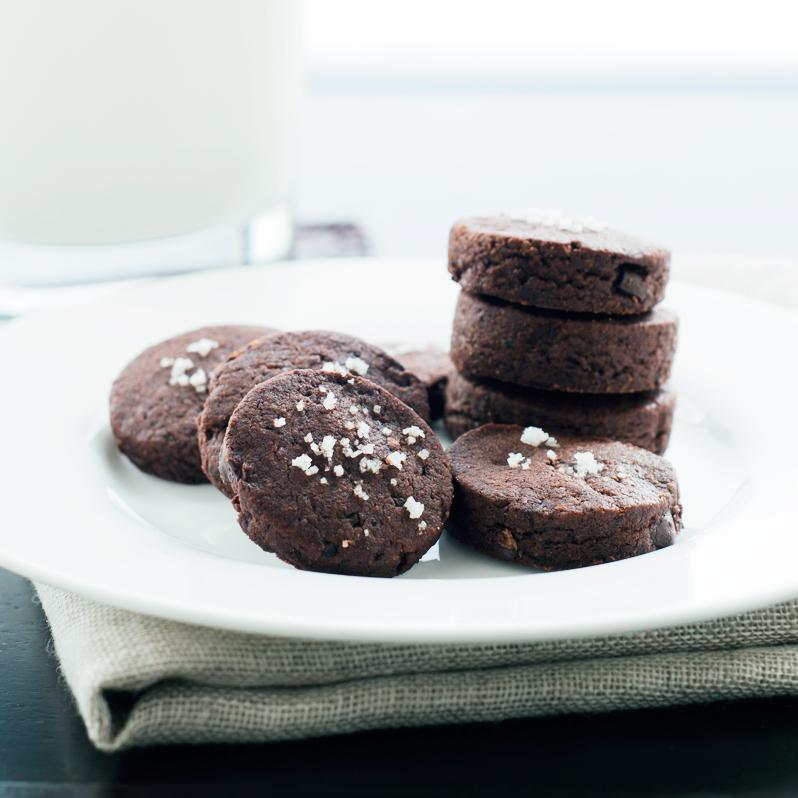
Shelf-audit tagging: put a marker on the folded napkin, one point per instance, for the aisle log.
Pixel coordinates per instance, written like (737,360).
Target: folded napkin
(139,680)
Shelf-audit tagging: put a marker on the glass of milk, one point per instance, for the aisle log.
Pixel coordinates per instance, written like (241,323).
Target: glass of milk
(145,135)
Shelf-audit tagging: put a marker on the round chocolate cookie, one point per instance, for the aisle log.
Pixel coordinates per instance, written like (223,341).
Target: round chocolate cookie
(273,354)
(545,260)
(644,419)
(560,504)
(156,399)
(433,367)
(552,351)
(333,473)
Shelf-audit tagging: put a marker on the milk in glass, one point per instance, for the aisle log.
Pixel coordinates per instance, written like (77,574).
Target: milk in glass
(130,120)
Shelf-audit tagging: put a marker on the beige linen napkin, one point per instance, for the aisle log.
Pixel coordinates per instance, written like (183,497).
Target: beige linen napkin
(139,680)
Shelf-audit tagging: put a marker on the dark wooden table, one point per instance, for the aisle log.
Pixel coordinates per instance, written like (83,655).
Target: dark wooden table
(747,748)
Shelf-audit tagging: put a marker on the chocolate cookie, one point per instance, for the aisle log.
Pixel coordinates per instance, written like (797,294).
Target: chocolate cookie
(156,399)
(549,261)
(560,504)
(273,354)
(432,367)
(549,350)
(643,419)
(333,473)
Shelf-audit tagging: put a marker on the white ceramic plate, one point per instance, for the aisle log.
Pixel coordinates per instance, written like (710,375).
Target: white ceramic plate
(78,515)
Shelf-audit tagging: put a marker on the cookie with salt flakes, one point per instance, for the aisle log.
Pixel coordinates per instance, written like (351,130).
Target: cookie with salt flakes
(156,399)
(545,259)
(333,473)
(273,354)
(557,503)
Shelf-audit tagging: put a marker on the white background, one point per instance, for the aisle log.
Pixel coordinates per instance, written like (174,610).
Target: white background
(676,120)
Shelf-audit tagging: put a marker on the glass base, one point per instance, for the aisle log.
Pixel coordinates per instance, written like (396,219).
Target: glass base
(267,237)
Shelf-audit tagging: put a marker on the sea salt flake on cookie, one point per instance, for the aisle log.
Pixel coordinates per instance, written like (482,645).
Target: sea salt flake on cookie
(199,381)
(534,436)
(329,401)
(279,422)
(357,365)
(396,459)
(540,217)
(327,446)
(370,464)
(334,366)
(414,508)
(202,346)
(303,462)
(413,433)
(586,464)
(180,368)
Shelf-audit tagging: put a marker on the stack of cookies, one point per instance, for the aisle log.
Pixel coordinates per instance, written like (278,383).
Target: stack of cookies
(558,326)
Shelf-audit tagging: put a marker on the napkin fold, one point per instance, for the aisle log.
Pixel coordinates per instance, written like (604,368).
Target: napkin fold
(139,680)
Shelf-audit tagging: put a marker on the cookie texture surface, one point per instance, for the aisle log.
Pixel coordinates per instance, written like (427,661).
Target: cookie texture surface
(333,473)
(287,351)
(559,264)
(543,349)
(644,420)
(433,367)
(580,502)
(156,399)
